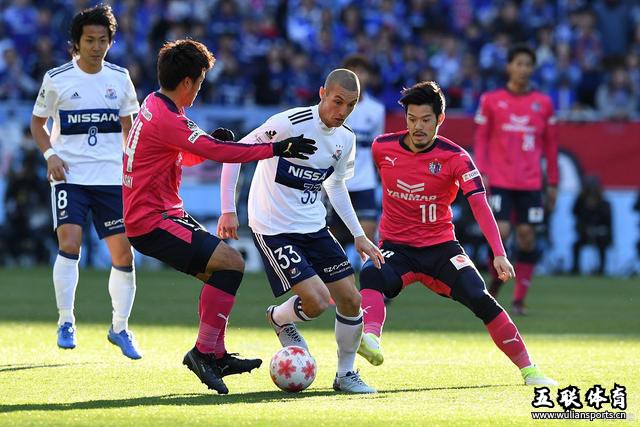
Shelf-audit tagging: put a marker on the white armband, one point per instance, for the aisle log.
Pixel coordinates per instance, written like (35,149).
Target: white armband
(50,152)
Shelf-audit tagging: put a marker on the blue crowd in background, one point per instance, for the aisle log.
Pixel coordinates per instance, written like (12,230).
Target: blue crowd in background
(275,52)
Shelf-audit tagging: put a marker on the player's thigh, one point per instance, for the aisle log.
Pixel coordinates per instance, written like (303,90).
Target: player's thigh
(119,249)
(396,273)
(106,209)
(70,205)
(285,261)
(181,243)
(345,294)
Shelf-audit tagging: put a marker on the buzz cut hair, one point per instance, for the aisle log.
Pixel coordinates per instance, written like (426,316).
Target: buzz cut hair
(344,78)
(180,59)
(424,93)
(101,15)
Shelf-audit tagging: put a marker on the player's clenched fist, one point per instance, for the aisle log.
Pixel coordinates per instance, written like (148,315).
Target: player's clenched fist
(504,268)
(56,168)
(223,134)
(297,147)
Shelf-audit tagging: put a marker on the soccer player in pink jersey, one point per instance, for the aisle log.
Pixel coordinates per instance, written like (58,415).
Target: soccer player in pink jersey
(161,141)
(421,173)
(516,128)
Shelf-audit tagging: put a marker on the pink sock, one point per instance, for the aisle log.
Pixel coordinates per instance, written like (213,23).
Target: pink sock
(524,272)
(374,311)
(506,336)
(214,308)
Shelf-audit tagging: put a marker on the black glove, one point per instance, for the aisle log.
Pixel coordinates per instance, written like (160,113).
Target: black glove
(223,134)
(297,147)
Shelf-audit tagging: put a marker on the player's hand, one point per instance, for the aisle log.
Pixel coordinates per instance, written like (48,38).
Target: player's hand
(367,249)
(228,226)
(223,134)
(552,195)
(56,168)
(297,147)
(504,268)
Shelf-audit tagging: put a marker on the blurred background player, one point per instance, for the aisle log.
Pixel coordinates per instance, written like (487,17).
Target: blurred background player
(163,140)
(593,223)
(91,102)
(421,174)
(287,220)
(516,128)
(367,120)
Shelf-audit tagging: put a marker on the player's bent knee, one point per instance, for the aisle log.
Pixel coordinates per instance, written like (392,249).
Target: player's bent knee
(384,280)
(316,304)
(226,280)
(471,291)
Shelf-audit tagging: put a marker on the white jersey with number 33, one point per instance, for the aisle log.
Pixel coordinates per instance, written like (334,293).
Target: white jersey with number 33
(285,195)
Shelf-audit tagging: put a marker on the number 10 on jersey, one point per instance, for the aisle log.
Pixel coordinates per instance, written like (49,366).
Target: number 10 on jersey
(428,211)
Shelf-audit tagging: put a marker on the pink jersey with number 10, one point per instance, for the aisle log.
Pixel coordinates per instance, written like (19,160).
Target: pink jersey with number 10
(420,187)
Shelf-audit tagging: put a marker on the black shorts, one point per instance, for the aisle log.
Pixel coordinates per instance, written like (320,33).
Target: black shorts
(526,204)
(291,258)
(181,242)
(437,267)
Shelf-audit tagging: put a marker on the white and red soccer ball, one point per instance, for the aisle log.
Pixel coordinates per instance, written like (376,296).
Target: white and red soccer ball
(293,369)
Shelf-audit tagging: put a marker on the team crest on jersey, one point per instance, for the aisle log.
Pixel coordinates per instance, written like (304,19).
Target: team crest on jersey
(435,167)
(338,153)
(111,93)
(536,106)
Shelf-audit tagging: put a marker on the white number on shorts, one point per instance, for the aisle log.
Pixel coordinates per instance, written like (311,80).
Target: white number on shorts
(386,253)
(432,212)
(496,202)
(130,148)
(62,199)
(284,260)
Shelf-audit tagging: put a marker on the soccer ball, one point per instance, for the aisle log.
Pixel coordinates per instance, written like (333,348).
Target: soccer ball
(293,369)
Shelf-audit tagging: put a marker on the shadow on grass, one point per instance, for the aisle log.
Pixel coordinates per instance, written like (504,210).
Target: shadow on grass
(202,399)
(22,367)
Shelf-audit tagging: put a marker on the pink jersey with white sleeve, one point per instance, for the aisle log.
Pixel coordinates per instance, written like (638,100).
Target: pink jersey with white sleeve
(514,132)
(160,142)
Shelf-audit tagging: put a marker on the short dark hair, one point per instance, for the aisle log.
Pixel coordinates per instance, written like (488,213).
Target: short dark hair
(180,59)
(424,93)
(356,61)
(343,78)
(98,15)
(521,48)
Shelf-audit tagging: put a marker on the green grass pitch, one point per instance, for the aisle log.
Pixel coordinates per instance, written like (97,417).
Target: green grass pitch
(441,367)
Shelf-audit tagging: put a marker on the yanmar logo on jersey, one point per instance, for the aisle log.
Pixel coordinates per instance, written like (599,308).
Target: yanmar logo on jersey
(518,124)
(408,192)
(75,122)
(298,176)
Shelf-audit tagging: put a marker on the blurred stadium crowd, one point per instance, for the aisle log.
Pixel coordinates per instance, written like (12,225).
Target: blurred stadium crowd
(274,52)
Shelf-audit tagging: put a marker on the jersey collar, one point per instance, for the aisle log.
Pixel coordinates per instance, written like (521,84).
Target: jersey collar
(168,102)
(406,147)
(324,128)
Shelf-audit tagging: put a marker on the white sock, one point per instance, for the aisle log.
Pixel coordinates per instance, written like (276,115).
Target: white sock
(348,334)
(65,282)
(290,311)
(122,288)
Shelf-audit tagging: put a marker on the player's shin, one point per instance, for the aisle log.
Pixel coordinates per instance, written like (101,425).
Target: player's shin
(65,281)
(348,330)
(374,311)
(216,301)
(122,289)
(506,336)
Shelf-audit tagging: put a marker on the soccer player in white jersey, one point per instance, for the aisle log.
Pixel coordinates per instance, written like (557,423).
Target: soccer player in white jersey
(287,220)
(367,122)
(91,103)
